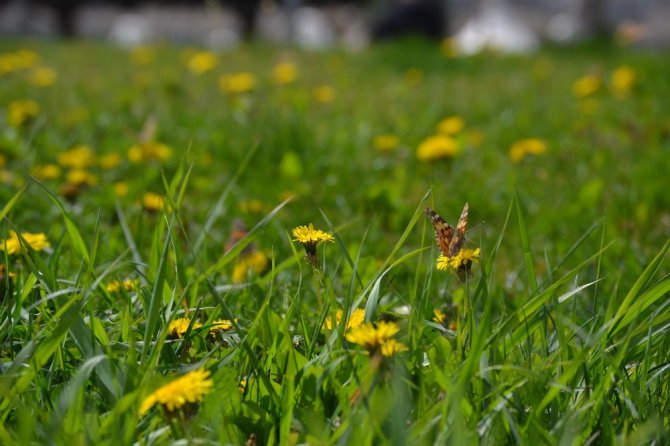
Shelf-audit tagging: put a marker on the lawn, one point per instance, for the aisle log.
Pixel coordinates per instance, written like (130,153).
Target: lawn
(160,281)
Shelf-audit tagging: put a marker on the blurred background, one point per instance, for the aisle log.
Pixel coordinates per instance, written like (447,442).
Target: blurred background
(505,25)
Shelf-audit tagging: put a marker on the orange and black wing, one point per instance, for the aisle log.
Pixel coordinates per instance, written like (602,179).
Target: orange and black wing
(456,242)
(444,232)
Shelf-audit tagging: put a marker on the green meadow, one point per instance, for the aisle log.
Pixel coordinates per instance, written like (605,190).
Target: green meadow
(156,286)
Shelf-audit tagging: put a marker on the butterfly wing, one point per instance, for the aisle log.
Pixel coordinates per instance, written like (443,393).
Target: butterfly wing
(456,242)
(443,230)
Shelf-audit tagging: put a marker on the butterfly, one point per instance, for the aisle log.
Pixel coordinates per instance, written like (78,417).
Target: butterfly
(449,239)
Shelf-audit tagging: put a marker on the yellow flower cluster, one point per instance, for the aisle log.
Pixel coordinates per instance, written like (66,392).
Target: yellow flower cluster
(19,60)
(12,245)
(529,146)
(43,77)
(256,262)
(201,62)
(437,147)
(377,338)
(152,202)
(178,327)
(149,151)
(188,389)
(355,319)
(78,157)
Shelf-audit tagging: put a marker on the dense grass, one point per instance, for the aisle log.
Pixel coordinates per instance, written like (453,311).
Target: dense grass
(561,333)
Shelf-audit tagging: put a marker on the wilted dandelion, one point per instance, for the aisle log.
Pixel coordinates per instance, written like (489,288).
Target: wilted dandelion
(202,62)
(179,326)
(451,125)
(586,85)
(285,73)
(355,319)
(385,143)
(529,146)
(78,157)
(43,77)
(437,147)
(21,111)
(237,83)
(309,238)
(12,245)
(377,338)
(188,389)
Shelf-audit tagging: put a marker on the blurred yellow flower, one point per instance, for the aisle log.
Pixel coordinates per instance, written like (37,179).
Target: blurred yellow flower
(586,85)
(116,285)
(256,262)
(202,62)
(153,202)
(12,245)
(43,77)
(285,73)
(78,157)
(589,106)
(355,319)
(18,60)
(142,55)
(413,77)
(109,161)
(439,317)
(3,160)
(623,79)
(254,206)
(46,172)
(21,111)
(6,176)
(377,338)
(81,177)
(149,151)
(237,83)
(529,146)
(449,47)
(188,389)
(324,94)
(451,125)
(436,147)
(385,143)
(120,188)
(179,326)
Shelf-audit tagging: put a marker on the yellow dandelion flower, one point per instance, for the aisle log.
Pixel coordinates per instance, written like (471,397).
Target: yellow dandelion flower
(529,146)
(237,83)
(324,94)
(81,177)
(201,62)
(355,319)
(220,325)
(46,172)
(178,327)
(464,257)
(392,347)
(20,112)
(109,161)
(43,77)
(149,151)
(623,79)
(451,125)
(116,285)
(153,202)
(310,237)
(439,317)
(190,388)
(13,245)
(120,188)
(370,336)
(256,262)
(436,147)
(285,73)
(78,157)
(386,143)
(586,86)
